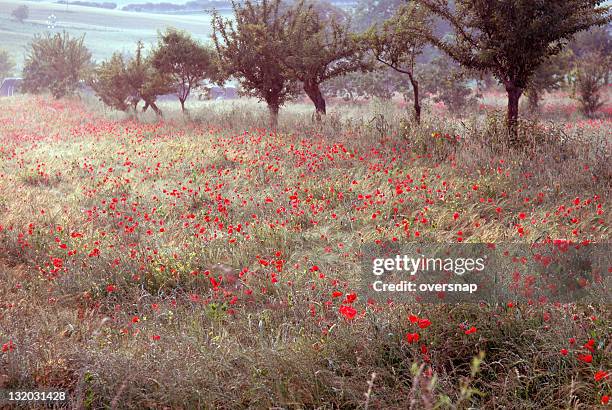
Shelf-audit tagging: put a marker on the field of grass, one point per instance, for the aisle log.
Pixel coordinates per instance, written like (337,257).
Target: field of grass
(106,31)
(215,264)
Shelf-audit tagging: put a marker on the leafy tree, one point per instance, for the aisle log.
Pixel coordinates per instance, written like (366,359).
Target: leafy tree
(595,40)
(21,13)
(511,38)
(448,82)
(590,76)
(110,83)
(6,65)
(591,65)
(57,63)
(399,42)
(123,84)
(185,61)
(319,47)
(251,48)
(547,77)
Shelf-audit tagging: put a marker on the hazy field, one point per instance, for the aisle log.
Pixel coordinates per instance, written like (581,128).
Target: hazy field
(214,264)
(105,31)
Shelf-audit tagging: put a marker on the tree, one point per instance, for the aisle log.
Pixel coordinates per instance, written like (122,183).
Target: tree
(591,64)
(251,48)
(185,61)
(547,77)
(122,84)
(511,38)
(6,65)
(399,42)
(448,82)
(319,47)
(21,13)
(590,76)
(56,63)
(110,83)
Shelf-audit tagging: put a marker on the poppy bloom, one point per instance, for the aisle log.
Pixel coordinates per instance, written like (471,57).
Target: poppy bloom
(348,312)
(601,375)
(470,330)
(587,358)
(424,323)
(412,337)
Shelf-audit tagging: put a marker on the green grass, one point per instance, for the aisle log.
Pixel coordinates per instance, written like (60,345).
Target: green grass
(106,31)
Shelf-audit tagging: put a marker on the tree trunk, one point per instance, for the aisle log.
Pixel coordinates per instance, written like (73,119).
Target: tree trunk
(182,105)
(273,109)
(314,93)
(514,95)
(534,101)
(155,108)
(417,103)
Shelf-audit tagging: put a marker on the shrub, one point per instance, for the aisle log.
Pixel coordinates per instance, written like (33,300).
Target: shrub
(21,13)
(56,63)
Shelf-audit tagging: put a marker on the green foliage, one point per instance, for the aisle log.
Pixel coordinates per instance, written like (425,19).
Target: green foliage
(589,79)
(448,83)
(251,47)
(123,84)
(547,77)
(110,83)
(511,38)
(21,13)
(184,60)
(56,63)
(399,42)
(591,63)
(320,47)
(6,65)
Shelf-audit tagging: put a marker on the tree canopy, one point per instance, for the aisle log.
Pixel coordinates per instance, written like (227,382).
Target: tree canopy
(251,47)
(56,63)
(184,60)
(512,38)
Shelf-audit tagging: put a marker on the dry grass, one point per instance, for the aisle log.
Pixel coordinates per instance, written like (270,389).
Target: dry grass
(145,208)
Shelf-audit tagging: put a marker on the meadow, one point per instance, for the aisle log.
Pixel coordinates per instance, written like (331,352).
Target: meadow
(106,31)
(210,263)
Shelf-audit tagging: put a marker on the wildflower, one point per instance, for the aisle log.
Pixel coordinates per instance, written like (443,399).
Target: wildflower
(601,375)
(424,323)
(348,311)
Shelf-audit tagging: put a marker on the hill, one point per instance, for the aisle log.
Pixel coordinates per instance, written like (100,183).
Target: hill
(105,31)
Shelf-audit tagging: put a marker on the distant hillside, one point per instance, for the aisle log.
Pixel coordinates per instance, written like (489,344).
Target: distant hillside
(195,6)
(101,5)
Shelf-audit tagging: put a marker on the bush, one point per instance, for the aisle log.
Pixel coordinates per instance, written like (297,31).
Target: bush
(6,65)
(56,63)
(21,13)
(590,78)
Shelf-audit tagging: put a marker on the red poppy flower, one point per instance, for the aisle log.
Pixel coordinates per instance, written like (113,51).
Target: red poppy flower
(424,323)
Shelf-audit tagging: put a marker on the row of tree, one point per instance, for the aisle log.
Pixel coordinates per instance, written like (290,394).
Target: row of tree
(277,49)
